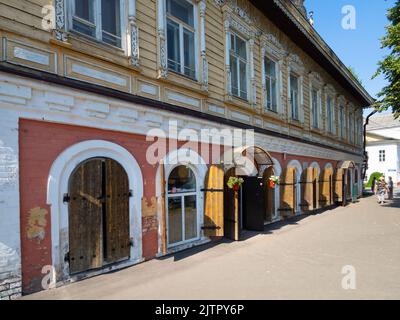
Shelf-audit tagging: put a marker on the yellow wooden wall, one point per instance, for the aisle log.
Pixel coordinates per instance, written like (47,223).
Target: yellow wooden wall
(20,21)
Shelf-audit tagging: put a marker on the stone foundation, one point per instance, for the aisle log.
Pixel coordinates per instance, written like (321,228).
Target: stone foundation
(10,288)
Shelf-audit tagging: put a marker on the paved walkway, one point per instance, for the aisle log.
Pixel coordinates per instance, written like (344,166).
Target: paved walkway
(300,260)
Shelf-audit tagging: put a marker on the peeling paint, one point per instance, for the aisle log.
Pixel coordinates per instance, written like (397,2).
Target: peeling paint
(36,223)
(149,209)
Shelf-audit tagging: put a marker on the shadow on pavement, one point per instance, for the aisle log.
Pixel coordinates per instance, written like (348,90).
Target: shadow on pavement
(395,203)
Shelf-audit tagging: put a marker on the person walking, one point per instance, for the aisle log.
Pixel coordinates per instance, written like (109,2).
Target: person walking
(390,187)
(381,189)
(373,185)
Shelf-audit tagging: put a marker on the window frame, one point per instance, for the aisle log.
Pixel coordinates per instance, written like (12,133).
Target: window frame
(98,23)
(295,75)
(277,89)
(239,59)
(318,107)
(182,25)
(330,120)
(341,121)
(183,196)
(382,155)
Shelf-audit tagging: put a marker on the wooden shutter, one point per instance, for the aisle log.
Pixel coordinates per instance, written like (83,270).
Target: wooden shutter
(338,189)
(214,202)
(326,188)
(307,190)
(117,240)
(85,217)
(163,210)
(316,186)
(269,195)
(231,210)
(288,192)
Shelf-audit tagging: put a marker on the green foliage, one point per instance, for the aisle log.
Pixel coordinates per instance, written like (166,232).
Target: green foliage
(234,181)
(376,175)
(389,97)
(355,74)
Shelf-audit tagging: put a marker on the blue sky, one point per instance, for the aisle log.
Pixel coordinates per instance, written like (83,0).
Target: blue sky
(359,48)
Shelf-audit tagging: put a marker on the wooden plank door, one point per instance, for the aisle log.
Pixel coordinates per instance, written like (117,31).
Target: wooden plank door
(254,203)
(288,193)
(339,183)
(269,195)
(231,210)
(116,237)
(214,202)
(85,217)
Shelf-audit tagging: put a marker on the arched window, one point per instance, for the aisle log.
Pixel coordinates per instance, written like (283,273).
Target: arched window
(182,206)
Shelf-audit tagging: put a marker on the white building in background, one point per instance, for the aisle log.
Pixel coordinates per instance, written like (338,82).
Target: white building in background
(383,146)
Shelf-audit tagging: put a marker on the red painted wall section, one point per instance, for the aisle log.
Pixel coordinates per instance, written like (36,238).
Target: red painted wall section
(40,144)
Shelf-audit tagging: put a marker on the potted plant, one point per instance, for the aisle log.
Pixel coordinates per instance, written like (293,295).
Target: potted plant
(273,181)
(235,183)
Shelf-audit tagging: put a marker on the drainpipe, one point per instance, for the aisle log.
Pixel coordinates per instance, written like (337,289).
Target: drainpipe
(365,167)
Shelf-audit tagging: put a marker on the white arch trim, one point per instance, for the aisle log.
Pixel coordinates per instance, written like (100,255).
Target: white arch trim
(316,165)
(199,167)
(329,166)
(57,186)
(278,172)
(299,170)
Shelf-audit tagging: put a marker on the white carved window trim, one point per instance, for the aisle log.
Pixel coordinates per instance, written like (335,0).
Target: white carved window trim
(233,25)
(70,4)
(201,63)
(296,68)
(316,84)
(273,50)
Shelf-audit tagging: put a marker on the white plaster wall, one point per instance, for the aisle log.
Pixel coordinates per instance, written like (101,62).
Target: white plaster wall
(10,252)
(390,168)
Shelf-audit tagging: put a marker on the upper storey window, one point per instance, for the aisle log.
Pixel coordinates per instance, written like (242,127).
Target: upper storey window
(238,60)
(294,96)
(181,37)
(271,84)
(100,19)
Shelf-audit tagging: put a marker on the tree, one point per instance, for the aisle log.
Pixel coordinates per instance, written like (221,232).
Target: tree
(389,97)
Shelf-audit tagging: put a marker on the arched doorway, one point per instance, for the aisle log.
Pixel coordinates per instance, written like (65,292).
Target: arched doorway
(98,214)
(247,208)
(344,182)
(326,187)
(182,217)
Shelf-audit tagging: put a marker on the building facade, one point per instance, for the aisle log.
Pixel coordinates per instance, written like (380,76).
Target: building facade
(87,85)
(383,147)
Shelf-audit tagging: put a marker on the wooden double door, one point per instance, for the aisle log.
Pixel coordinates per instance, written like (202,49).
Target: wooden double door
(98,215)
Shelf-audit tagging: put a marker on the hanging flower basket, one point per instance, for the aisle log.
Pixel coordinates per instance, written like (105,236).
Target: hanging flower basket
(273,181)
(235,183)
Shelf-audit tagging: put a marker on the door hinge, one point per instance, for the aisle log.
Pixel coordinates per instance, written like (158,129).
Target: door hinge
(66,257)
(212,190)
(130,193)
(66,198)
(210,228)
(131,242)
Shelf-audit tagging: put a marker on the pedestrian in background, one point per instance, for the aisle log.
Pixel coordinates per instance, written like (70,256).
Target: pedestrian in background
(390,186)
(381,190)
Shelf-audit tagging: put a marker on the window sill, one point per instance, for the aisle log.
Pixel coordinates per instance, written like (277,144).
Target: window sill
(96,49)
(237,102)
(273,114)
(296,123)
(184,82)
